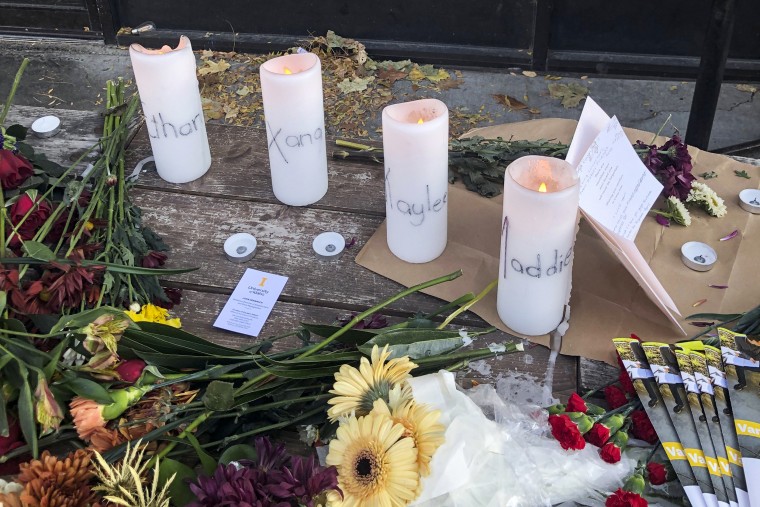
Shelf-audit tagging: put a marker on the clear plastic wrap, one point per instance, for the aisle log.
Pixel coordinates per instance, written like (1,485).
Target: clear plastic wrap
(501,454)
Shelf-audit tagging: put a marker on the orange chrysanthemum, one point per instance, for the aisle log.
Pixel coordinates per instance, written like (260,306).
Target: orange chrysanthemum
(88,417)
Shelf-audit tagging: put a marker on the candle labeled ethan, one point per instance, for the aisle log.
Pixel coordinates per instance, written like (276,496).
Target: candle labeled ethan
(291,89)
(539,221)
(416,153)
(171,104)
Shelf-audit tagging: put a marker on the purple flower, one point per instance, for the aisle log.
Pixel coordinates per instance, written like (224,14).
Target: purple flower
(374,321)
(670,164)
(230,486)
(303,482)
(269,456)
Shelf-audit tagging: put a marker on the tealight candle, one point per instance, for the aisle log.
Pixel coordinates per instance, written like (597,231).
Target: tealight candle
(749,200)
(171,103)
(329,245)
(538,233)
(240,247)
(291,89)
(416,153)
(698,256)
(47,126)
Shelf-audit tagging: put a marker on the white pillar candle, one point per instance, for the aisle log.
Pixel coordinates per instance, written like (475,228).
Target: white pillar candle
(538,232)
(416,152)
(291,88)
(171,103)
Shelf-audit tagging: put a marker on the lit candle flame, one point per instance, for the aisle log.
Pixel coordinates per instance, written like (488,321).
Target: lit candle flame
(287,71)
(420,121)
(542,187)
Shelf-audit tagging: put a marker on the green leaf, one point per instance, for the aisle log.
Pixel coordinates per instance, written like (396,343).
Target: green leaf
(4,429)
(207,462)
(571,94)
(236,453)
(219,396)
(173,335)
(55,356)
(87,389)
(17,131)
(37,250)
(179,489)
(3,300)
(350,337)
(415,343)
(26,412)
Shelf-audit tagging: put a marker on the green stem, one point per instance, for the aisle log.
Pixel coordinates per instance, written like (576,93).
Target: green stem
(467,305)
(356,146)
(14,87)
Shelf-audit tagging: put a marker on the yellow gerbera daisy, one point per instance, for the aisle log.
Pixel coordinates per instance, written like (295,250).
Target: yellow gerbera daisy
(377,466)
(356,390)
(420,423)
(153,313)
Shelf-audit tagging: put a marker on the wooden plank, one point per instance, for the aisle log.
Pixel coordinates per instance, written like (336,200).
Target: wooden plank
(240,169)
(80,130)
(594,374)
(199,310)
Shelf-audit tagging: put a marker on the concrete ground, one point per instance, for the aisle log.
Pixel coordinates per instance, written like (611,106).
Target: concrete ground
(71,75)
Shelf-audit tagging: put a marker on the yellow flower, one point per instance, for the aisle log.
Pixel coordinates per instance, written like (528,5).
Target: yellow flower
(377,466)
(104,333)
(420,424)
(49,413)
(153,313)
(356,390)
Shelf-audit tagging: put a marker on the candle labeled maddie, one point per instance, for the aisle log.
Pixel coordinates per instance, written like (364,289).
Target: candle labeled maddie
(537,236)
(171,103)
(416,152)
(291,89)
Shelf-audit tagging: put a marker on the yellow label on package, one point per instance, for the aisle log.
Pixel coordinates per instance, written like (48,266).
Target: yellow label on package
(747,428)
(674,450)
(713,466)
(725,469)
(696,457)
(734,456)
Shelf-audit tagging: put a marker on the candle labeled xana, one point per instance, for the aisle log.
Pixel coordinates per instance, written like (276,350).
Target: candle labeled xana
(171,102)
(291,89)
(416,153)
(539,219)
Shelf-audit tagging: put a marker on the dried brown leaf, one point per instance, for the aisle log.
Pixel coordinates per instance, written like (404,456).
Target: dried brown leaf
(391,75)
(509,102)
(746,88)
(529,73)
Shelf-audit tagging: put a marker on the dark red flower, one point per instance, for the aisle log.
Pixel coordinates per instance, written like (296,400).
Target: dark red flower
(657,473)
(598,435)
(671,165)
(154,259)
(641,427)
(566,432)
(576,404)
(610,452)
(129,371)
(14,169)
(623,498)
(173,297)
(615,396)
(68,285)
(7,444)
(40,211)
(624,379)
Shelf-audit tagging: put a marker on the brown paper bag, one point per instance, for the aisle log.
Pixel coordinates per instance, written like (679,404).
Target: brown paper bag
(606,302)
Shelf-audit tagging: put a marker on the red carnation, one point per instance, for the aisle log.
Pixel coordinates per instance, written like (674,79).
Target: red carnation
(615,397)
(154,259)
(598,435)
(41,210)
(566,432)
(623,498)
(576,404)
(641,427)
(657,473)
(130,371)
(610,452)
(7,444)
(14,169)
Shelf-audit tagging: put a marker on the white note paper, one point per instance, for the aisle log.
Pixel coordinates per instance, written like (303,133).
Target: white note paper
(616,193)
(616,187)
(251,302)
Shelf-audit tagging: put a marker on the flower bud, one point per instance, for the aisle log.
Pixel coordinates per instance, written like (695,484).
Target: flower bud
(635,484)
(129,371)
(49,413)
(559,408)
(583,421)
(112,180)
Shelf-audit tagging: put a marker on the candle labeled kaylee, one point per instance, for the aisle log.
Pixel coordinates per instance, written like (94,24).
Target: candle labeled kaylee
(416,153)
(171,103)
(291,89)
(538,232)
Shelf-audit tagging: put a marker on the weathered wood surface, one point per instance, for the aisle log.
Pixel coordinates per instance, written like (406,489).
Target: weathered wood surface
(236,196)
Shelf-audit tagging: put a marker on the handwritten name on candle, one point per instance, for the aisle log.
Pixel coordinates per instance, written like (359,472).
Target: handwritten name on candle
(163,129)
(534,270)
(414,210)
(282,140)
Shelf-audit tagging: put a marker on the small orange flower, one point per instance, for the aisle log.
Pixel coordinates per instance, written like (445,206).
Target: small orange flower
(88,417)
(103,439)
